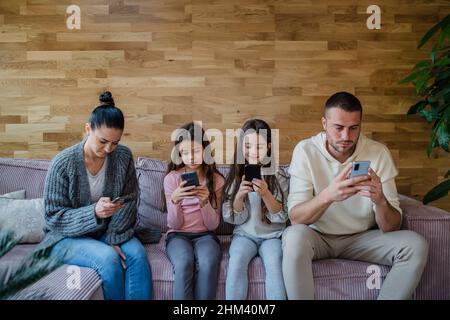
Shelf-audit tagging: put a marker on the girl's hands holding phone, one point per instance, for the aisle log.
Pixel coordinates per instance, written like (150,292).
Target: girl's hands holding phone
(183,192)
(261,187)
(244,188)
(202,193)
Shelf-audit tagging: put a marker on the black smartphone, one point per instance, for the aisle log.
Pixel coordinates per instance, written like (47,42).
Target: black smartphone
(123,199)
(191,178)
(252,171)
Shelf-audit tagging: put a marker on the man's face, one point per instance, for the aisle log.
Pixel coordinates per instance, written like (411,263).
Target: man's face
(342,129)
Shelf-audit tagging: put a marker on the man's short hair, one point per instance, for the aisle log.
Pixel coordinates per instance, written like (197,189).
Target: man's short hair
(345,101)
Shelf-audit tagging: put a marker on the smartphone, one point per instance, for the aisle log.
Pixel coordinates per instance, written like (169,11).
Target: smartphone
(360,168)
(252,171)
(191,178)
(123,199)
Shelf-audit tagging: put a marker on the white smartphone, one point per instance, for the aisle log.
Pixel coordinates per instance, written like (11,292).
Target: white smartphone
(360,168)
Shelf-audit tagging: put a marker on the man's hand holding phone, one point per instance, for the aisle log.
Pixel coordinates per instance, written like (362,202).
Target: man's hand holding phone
(105,208)
(343,187)
(371,188)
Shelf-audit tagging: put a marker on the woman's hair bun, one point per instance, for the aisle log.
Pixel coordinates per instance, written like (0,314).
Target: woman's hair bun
(106,98)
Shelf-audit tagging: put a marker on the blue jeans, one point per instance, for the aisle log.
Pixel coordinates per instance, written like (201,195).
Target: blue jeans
(132,283)
(242,251)
(196,260)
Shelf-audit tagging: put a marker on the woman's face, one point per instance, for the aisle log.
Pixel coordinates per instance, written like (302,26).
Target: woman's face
(102,140)
(191,154)
(254,148)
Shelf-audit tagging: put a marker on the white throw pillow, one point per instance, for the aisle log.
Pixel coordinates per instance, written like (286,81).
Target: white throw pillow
(25,217)
(14,195)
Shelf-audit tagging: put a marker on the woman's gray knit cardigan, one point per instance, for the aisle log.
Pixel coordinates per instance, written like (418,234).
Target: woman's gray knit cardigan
(69,211)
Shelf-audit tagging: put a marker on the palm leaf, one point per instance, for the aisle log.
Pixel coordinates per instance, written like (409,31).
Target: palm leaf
(29,271)
(7,242)
(431,79)
(419,106)
(443,24)
(439,191)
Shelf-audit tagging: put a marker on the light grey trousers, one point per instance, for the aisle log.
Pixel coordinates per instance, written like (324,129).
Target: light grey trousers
(406,251)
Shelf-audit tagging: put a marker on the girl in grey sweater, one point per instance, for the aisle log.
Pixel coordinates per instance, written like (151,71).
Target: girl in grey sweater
(85,226)
(258,209)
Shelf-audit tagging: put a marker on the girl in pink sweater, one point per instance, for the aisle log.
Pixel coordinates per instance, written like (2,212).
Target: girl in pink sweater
(193,213)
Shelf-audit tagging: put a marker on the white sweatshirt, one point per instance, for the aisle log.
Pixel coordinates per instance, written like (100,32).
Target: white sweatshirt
(313,168)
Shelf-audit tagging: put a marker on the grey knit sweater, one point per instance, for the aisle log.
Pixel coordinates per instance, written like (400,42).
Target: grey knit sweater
(68,208)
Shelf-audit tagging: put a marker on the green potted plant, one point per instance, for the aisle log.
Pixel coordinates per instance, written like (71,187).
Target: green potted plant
(431,79)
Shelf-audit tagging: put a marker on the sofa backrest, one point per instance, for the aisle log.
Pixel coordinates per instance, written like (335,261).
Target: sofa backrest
(23,174)
(151,174)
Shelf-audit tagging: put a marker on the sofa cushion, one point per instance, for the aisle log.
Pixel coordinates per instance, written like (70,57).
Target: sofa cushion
(434,225)
(24,217)
(150,175)
(19,194)
(333,278)
(18,174)
(54,286)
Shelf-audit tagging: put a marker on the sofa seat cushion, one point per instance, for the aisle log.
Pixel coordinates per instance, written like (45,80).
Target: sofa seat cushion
(54,286)
(333,278)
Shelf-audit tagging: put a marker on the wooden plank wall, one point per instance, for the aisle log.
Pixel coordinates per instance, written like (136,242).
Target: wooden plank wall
(168,62)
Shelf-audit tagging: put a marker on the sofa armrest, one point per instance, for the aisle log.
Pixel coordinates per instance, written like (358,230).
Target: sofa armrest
(434,225)
(413,209)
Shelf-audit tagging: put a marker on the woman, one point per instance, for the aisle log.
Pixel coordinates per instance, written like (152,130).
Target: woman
(86,226)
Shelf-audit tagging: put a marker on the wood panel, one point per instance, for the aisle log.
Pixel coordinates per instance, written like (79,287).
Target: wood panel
(219,61)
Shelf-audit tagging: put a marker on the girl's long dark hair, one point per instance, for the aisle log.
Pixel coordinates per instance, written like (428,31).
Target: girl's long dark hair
(234,178)
(208,169)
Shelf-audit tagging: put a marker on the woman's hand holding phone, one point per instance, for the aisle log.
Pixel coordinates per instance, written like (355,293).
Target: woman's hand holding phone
(123,258)
(105,208)
(183,192)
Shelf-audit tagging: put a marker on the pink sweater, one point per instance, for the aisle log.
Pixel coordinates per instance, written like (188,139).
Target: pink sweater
(187,215)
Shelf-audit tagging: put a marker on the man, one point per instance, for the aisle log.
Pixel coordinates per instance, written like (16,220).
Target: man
(334,216)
